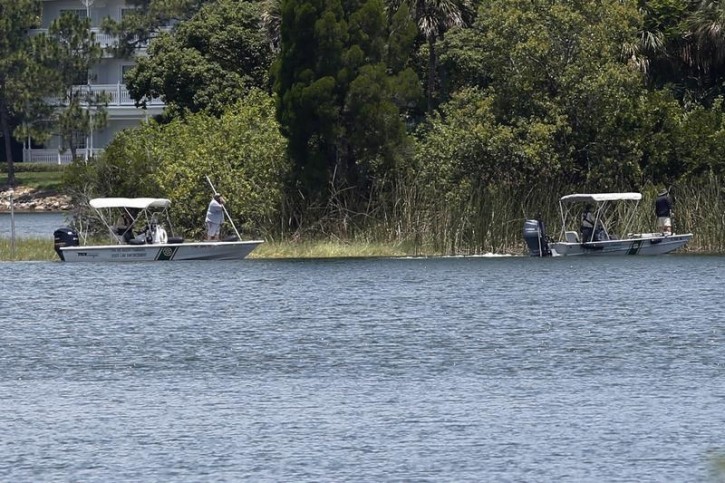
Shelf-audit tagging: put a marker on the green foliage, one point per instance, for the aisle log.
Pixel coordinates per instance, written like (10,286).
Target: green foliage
(556,69)
(466,147)
(242,152)
(23,76)
(34,168)
(207,63)
(343,87)
(701,141)
(682,48)
(145,19)
(433,18)
(125,169)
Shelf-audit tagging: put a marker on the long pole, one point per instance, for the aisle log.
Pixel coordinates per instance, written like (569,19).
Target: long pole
(12,223)
(239,237)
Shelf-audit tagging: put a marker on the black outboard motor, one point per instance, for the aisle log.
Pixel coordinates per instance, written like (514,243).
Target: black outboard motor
(65,237)
(536,239)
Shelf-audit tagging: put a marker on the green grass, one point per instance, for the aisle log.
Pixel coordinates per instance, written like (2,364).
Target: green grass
(37,176)
(39,180)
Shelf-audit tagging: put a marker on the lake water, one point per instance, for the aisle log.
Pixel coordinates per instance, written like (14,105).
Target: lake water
(456,369)
(31,225)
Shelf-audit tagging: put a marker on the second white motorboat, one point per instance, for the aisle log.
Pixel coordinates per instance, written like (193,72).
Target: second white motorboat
(612,213)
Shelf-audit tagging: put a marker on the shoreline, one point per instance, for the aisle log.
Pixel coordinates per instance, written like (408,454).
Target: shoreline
(39,250)
(31,200)
(33,211)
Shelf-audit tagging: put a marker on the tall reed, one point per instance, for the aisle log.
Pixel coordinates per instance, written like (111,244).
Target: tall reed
(488,220)
(700,209)
(27,249)
(483,220)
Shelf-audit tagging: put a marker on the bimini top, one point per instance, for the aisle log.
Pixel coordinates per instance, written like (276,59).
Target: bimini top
(139,203)
(598,197)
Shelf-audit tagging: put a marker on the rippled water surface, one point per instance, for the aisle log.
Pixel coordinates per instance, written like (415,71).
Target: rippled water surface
(31,225)
(475,369)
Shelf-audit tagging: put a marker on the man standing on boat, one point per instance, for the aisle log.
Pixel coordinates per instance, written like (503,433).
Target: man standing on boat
(214,217)
(587,227)
(663,210)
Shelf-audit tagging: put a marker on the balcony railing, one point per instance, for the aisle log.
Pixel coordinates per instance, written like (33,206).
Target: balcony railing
(53,156)
(105,40)
(118,94)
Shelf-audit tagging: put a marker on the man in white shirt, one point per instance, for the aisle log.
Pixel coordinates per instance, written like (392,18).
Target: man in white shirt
(214,217)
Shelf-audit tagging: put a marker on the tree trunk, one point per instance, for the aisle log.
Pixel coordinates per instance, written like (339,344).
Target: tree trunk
(431,71)
(5,126)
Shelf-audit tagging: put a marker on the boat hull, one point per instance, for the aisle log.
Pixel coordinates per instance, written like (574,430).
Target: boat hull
(160,252)
(646,244)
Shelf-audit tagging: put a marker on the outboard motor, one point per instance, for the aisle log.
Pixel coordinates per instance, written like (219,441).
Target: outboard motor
(65,237)
(536,240)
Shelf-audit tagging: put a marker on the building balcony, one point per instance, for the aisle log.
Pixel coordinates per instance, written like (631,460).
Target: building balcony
(121,108)
(106,41)
(118,95)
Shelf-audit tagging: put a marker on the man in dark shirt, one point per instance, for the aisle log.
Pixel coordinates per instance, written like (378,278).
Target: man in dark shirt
(587,226)
(663,210)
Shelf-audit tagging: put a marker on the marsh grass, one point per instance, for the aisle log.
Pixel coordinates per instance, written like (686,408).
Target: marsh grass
(493,220)
(700,209)
(488,221)
(27,249)
(333,249)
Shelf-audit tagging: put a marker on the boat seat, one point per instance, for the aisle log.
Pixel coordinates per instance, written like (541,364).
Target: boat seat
(571,237)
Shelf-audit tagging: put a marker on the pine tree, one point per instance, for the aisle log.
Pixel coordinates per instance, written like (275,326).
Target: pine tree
(19,70)
(342,83)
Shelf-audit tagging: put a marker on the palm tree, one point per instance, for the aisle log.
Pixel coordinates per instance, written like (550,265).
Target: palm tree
(434,18)
(272,22)
(706,52)
(650,43)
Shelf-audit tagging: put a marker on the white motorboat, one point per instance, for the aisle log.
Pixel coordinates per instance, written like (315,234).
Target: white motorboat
(612,213)
(153,243)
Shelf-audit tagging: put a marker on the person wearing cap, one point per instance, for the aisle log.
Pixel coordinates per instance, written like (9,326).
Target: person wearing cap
(214,217)
(664,213)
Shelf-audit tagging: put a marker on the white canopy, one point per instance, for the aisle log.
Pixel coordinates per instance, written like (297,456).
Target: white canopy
(598,197)
(138,203)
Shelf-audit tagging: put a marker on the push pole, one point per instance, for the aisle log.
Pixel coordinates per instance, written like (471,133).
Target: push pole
(12,223)
(239,237)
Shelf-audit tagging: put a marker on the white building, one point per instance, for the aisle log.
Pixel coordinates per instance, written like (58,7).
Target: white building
(107,77)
